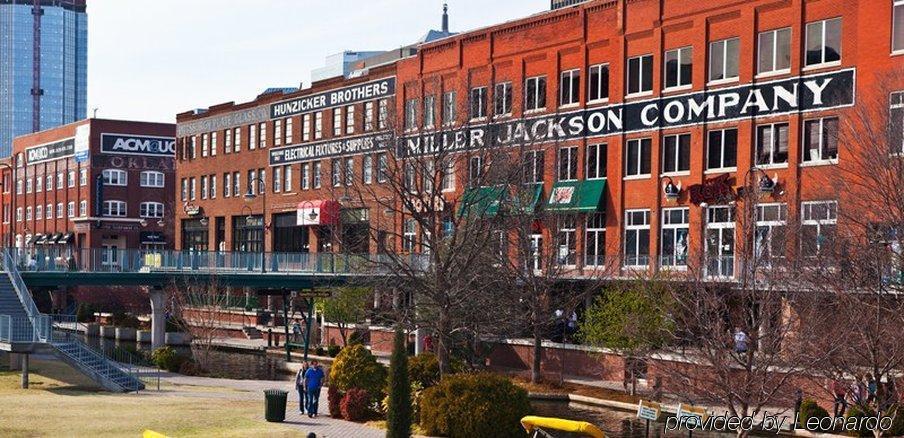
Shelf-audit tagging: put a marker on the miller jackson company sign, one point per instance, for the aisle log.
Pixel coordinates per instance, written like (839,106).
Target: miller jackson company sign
(784,96)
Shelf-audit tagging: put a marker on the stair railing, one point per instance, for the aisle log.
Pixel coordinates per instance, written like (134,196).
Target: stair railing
(42,324)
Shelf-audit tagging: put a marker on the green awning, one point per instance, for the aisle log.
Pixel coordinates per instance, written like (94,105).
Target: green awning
(576,196)
(525,201)
(482,201)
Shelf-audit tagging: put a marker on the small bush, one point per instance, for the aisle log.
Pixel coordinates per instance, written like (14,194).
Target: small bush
(334,399)
(333,350)
(424,369)
(469,405)
(319,351)
(897,425)
(356,367)
(358,337)
(810,409)
(355,405)
(167,359)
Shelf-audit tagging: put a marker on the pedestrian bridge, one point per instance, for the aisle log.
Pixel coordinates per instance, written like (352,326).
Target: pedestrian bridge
(53,267)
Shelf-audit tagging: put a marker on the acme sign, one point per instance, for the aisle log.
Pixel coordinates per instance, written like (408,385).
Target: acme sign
(129,144)
(328,99)
(50,151)
(785,96)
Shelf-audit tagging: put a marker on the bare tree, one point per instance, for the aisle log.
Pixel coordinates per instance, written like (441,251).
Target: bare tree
(197,308)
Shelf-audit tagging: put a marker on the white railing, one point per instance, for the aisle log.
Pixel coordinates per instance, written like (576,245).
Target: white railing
(41,325)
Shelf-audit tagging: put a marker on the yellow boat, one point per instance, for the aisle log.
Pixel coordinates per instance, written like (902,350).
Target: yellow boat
(547,427)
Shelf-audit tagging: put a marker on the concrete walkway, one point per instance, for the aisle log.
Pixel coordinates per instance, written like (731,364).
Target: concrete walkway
(323,425)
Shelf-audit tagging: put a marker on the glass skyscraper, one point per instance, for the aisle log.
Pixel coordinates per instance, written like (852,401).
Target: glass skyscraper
(43,66)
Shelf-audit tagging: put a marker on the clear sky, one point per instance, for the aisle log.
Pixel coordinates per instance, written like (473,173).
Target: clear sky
(151,59)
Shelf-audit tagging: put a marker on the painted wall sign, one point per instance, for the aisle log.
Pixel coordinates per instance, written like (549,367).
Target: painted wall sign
(784,96)
(134,144)
(329,148)
(50,151)
(714,190)
(218,123)
(328,99)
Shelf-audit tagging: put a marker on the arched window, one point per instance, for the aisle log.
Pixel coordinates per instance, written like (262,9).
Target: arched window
(115,177)
(151,178)
(114,208)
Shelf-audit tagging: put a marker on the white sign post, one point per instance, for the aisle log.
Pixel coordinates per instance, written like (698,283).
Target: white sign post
(648,411)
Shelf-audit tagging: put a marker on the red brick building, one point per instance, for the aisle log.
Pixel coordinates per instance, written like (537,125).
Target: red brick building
(617,98)
(91,184)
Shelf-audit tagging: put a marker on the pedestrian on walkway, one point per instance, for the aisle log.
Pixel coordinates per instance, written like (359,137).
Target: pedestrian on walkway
(871,388)
(313,382)
(740,340)
(299,386)
(840,391)
(296,330)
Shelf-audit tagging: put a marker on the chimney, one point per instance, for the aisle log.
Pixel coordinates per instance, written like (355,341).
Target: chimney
(446,17)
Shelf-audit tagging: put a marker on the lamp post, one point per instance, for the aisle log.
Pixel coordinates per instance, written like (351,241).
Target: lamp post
(250,196)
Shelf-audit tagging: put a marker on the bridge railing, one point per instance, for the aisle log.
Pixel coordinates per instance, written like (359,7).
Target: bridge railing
(143,260)
(18,329)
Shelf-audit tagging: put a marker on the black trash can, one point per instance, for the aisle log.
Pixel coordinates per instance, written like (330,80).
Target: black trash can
(275,405)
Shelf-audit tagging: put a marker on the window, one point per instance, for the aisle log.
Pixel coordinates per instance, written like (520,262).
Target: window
(59,180)
(637,238)
(70,178)
(410,179)
(39,184)
(640,74)
(382,168)
(769,239)
(595,241)
(475,170)
(429,175)
(723,59)
(213,186)
(676,153)
(238,139)
(570,88)
(820,140)
(502,99)
(337,122)
(184,195)
(252,136)
(411,114)
(368,116)
(151,210)
(566,240)
(568,163)
(205,145)
(598,83)
(236,184)
(637,157)
(114,177)
(449,108)
(227,185)
(367,169)
(897,39)
(194,147)
(429,111)
(192,188)
(19,214)
(83,208)
(287,178)
(535,94)
(28,185)
(28,213)
(818,220)
(318,172)
(674,237)
(720,241)
(896,123)
(336,172)
(18,186)
(350,119)
(772,144)
(114,208)
(775,51)
(263,135)
(349,171)
(306,127)
(534,166)
(823,42)
(253,182)
(82,177)
(39,213)
(204,188)
(213,144)
(478,103)
(722,149)
(383,114)
(409,235)
(679,67)
(150,178)
(277,133)
(59,210)
(596,161)
(227,142)
(70,209)
(306,176)
(277,179)
(449,175)
(48,209)
(318,125)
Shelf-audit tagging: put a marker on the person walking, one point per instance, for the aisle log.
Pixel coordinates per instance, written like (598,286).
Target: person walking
(840,391)
(872,388)
(740,340)
(299,386)
(313,382)
(296,331)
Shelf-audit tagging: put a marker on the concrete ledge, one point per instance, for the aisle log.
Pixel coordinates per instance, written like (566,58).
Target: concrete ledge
(108,331)
(177,338)
(143,336)
(92,329)
(125,334)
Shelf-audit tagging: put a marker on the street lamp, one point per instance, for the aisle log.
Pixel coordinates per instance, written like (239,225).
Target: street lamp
(670,189)
(251,196)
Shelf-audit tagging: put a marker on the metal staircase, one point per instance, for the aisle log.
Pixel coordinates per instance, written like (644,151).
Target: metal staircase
(21,324)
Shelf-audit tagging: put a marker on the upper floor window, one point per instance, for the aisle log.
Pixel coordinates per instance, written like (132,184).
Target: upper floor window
(449,108)
(290,128)
(637,157)
(151,210)
(502,99)
(820,139)
(383,114)
(115,177)
(317,175)
(772,144)
(824,42)
(382,168)
(213,143)
(70,178)
(679,67)
(723,59)
(238,139)
(568,163)
(350,119)
(227,142)
(252,136)
(676,153)
(205,145)
(82,177)
(640,74)
(478,102)
(570,87)
(475,170)
(598,83)
(114,208)
(318,125)
(368,116)
(774,48)
(896,124)
(533,164)
(535,93)
(367,169)
(897,38)
(448,182)
(83,208)
(596,161)
(306,127)
(722,149)
(411,114)
(336,172)
(429,111)
(277,133)
(818,222)
(337,122)
(263,135)
(151,178)
(39,184)
(637,238)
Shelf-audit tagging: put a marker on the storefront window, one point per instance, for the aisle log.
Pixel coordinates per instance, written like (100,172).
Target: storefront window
(247,233)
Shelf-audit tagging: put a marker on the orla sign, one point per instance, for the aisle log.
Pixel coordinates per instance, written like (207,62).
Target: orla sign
(133,144)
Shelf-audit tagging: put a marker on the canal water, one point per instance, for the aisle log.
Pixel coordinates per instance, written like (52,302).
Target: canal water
(617,424)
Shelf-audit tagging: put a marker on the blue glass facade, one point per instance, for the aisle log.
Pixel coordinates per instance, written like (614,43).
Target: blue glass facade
(63,38)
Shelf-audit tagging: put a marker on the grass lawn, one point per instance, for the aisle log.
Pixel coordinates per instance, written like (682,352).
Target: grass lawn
(61,402)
